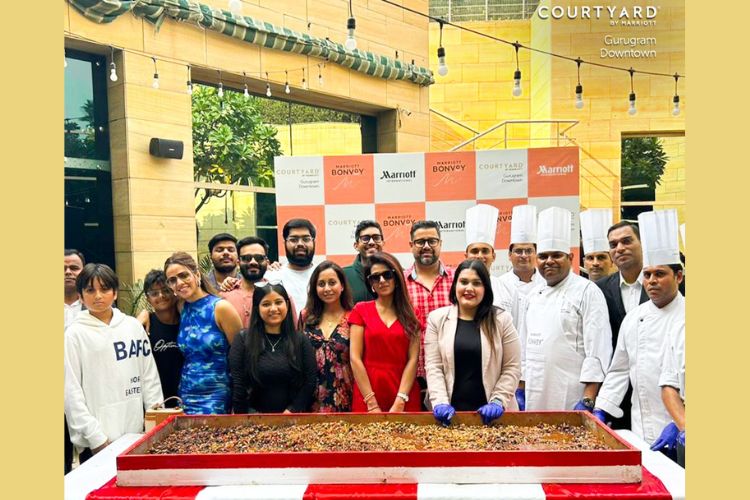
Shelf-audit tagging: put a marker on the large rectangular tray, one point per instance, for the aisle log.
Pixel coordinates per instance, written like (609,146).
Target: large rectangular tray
(620,463)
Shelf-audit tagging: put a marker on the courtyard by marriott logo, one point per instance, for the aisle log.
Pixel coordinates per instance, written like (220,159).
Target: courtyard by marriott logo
(635,15)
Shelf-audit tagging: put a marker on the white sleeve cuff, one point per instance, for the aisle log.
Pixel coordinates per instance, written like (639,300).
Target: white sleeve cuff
(608,406)
(592,370)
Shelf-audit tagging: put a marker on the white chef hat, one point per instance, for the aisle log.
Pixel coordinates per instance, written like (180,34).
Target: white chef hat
(659,239)
(554,230)
(594,225)
(481,224)
(523,224)
(682,234)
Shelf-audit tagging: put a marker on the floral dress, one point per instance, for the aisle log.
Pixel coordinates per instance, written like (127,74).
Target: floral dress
(205,385)
(335,381)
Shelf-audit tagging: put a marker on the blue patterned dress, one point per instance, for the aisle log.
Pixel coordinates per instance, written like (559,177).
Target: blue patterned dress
(205,385)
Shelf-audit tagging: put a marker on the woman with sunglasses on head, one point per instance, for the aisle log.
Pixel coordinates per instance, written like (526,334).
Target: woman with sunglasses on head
(208,325)
(384,342)
(162,324)
(273,365)
(325,322)
(472,350)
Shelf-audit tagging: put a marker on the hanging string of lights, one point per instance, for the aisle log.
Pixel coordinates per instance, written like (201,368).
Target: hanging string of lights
(443,67)
(155,82)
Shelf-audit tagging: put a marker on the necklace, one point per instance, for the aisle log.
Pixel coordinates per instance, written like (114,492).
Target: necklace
(273,344)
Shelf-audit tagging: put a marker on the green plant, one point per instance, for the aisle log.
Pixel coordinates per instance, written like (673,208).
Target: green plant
(643,161)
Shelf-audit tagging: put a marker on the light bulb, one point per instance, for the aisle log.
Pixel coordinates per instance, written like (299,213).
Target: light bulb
(112,72)
(579,96)
(442,67)
(247,92)
(155,83)
(676,109)
(220,92)
(631,109)
(66,65)
(190,87)
(320,79)
(351,42)
(235,7)
(268,90)
(304,84)
(287,90)
(517,83)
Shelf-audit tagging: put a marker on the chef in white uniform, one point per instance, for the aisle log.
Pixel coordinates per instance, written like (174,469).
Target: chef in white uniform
(568,340)
(481,229)
(638,354)
(672,382)
(596,259)
(518,282)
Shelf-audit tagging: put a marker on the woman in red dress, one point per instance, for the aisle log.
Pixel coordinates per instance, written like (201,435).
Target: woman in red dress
(384,342)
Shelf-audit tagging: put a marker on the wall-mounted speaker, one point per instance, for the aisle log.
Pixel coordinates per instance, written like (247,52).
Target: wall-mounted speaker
(165,148)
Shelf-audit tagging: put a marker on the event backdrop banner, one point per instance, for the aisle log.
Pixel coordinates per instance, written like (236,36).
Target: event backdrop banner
(336,192)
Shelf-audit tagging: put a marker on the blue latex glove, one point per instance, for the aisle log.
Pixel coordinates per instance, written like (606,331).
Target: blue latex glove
(443,413)
(580,406)
(521,398)
(681,438)
(667,439)
(491,411)
(600,415)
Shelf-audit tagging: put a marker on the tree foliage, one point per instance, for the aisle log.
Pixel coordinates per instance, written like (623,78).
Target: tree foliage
(278,112)
(80,140)
(643,161)
(231,142)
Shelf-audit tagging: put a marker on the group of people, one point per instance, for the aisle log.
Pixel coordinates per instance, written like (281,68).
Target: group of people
(255,336)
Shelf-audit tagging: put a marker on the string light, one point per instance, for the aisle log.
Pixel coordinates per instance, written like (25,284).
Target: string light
(155,82)
(268,86)
(517,74)
(676,98)
(189,81)
(220,92)
(320,76)
(287,90)
(351,25)
(579,87)
(247,92)
(112,65)
(235,7)
(304,82)
(442,67)
(631,109)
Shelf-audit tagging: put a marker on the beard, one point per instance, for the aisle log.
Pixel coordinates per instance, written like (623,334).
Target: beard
(300,260)
(224,268)
(253,275)
(427,259)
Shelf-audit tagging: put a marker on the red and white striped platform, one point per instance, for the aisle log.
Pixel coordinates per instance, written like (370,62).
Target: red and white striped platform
(662,480)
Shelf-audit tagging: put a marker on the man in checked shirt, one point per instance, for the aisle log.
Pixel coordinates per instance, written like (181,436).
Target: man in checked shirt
(428,281)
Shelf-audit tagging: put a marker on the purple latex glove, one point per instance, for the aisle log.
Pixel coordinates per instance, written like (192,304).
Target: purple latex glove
(443,413)
(521,398)
(667,439)
(580,406)
(491,411)
(681,438)
(600,415)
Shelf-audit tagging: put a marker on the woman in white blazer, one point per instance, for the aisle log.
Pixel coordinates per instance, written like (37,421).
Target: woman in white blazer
(472,350)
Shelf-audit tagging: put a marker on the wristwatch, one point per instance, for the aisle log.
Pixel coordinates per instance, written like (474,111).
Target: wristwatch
(403,396)
(588,403)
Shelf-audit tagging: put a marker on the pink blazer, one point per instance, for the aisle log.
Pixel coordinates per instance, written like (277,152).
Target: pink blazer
(500,373)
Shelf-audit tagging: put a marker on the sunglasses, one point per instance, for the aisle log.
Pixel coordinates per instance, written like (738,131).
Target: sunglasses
(262,284)
(183,276)
(257,257)
(386,275)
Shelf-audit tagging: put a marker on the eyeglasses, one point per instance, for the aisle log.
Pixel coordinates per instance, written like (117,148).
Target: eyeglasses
(365,238)
(523,251)
(262,284)
(164,292)
(296,239)
(433,242)
(257,257)
(183,276)
(386,275)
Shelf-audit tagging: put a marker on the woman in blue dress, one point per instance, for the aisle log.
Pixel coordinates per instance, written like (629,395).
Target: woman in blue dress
(208,325)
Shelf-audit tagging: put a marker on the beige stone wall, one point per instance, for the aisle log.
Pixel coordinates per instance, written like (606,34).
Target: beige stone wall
(153,198)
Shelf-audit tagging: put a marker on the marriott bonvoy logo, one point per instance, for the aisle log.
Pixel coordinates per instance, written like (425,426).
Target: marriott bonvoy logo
(610,12)
(562,170)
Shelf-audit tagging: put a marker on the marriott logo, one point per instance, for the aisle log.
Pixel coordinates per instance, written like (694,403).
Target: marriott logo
(563,170)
